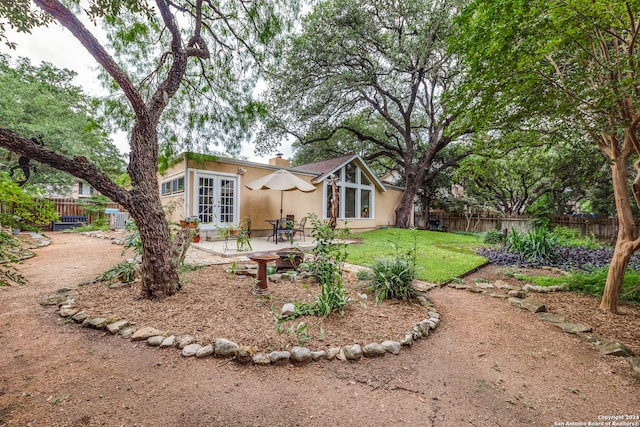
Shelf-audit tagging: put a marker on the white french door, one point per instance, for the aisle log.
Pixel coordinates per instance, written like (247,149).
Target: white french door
(216,200)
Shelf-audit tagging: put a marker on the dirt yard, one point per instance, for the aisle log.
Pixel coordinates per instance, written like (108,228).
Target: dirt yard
(487,364)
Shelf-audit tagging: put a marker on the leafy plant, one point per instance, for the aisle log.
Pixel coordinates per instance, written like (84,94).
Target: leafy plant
(327,265)
(393,278)
(125,272)
(8,273)
(565,236)
(493,237)
(535,245)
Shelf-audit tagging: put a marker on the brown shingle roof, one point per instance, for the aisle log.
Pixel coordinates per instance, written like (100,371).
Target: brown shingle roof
(324,167)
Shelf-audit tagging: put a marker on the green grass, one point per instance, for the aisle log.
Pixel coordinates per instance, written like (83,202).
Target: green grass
(439,256)
(592,283)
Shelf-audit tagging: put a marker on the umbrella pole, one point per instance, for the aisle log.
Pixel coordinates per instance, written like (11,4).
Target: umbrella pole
(281,195)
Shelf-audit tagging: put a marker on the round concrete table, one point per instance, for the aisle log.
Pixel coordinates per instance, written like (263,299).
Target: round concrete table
(262,259)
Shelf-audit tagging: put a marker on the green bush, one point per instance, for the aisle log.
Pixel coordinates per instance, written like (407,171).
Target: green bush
(535,245)
(565,236)
(493,237)
(393,278)
(593,282)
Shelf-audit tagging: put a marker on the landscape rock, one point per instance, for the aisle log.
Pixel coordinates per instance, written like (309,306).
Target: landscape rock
(502,285)
(300,355)
(482,285)
(373,350)
(635,365)
(550,317)
(184,340)
(279,357)
(317,355)
(225,348)
(96,322)
(191,350)
(59,297)
(68,311)
(145,333)
(288,310)
(332,353)
(352,352)
(115,327)
(155,341)
(407,340)
(516,293)
(127,332)
(533,305)
(614,348)
(543,289)
(499,296)
(573,328)
(79,317)
(516,302)
(168,342)
(261,359)
(392,347)
(244,354)
(461,286)
(205,351)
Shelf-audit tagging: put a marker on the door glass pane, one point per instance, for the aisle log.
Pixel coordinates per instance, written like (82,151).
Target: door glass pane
(350,203)
(329,195)
(365,203)
(227,199)
(206,200)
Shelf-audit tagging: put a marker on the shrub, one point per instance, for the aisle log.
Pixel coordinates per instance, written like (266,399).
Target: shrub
(565,236)
(493,237)
(535,245)
(393,278)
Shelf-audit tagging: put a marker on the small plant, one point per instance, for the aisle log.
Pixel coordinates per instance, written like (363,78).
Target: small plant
(125,272)
(537,245)
(8,273)
(493,237)
(393,278)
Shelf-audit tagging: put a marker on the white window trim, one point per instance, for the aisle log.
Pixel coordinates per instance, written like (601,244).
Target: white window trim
(342,185)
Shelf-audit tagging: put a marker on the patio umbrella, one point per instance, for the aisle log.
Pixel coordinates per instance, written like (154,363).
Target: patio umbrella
(282,180)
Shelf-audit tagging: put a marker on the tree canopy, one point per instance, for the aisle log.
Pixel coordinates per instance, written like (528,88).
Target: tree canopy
(573,64)
(41,100)
(378,72)
(177,49)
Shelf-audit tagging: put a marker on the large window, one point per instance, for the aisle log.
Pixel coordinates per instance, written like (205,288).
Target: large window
(172,186)
(355,191)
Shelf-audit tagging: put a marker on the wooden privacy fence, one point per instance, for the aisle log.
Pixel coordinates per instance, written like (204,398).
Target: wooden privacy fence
(72,207)
(602,228)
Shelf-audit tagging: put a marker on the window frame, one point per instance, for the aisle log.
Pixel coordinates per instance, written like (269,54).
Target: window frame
(358,186)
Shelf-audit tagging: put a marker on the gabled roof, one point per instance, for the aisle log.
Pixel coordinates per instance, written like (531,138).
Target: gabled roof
(325,168)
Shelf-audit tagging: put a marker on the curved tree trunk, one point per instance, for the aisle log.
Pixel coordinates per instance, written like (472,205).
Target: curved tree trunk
(626,244)
(405,208)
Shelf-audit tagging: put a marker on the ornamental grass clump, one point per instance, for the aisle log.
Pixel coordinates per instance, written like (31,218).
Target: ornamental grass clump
(392,278)
(537,245)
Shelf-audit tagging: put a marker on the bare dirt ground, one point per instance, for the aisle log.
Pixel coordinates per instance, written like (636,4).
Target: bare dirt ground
(487,364)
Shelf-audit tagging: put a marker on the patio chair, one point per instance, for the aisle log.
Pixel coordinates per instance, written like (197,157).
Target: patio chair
(299,227)
(283,227)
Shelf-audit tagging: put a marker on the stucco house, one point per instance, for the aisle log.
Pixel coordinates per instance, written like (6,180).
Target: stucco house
(213,189)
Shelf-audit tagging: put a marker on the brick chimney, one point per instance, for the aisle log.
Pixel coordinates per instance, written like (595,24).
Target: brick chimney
(279,161)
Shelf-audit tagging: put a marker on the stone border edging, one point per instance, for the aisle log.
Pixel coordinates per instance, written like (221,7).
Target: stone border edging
(222,348)
(519,297)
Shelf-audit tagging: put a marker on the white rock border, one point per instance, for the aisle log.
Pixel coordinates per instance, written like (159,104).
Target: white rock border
(244,354)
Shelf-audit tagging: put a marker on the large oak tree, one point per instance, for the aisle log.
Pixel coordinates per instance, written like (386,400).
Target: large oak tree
(172,49)
(376,71)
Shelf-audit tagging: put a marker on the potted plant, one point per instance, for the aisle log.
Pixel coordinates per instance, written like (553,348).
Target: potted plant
(190,222)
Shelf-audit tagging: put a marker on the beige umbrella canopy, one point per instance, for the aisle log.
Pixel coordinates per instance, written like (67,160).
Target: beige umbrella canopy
(282,180)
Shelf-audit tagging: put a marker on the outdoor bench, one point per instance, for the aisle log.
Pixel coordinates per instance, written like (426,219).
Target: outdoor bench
(69,222)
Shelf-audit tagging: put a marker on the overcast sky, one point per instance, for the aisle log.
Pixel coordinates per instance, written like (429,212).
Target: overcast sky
(56,45)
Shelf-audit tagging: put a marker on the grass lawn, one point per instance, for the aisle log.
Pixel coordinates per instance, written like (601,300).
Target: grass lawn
(440,256)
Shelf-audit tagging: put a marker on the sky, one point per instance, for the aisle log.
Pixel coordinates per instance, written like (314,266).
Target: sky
(56,45)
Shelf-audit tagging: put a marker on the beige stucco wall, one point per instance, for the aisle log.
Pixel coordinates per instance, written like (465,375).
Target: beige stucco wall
(261,205)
